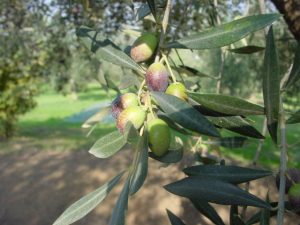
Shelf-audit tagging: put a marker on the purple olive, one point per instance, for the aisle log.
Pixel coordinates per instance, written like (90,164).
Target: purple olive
(122,102)
(157,77)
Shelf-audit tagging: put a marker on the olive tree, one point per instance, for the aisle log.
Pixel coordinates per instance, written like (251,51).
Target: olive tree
(162,107)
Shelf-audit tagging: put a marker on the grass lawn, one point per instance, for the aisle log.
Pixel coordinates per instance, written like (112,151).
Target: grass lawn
(47,128)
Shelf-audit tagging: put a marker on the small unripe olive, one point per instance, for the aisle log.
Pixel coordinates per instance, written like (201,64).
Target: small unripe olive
(144,47)
(159,136)
(177,89)
(135,114)
(157,77)
(122,102)
(294,196)
(292,176)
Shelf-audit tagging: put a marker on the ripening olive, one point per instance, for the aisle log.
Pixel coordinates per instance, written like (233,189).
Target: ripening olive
(177,89)
(144,47)
(157,77)
(294,196)
(292,176)
(159,136)
(122,102)
(135,114)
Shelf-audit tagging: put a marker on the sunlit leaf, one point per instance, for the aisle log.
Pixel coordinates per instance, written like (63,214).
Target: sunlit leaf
(215,191)
(86,204)
(227,104)
(231,174)
(271,92)
(96,118)
(104,49)
(108,145)
(225,34)
(184,114)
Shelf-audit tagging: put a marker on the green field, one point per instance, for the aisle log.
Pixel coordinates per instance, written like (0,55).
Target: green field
(47,128)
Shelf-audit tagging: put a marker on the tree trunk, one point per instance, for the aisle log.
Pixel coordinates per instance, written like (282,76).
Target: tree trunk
(291,11)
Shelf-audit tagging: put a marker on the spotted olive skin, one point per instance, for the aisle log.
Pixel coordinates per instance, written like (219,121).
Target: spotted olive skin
(135,114)
(122,102)
(144,47)
(157,77)
(159,137)
(293,176)
(294,196)
(177,89)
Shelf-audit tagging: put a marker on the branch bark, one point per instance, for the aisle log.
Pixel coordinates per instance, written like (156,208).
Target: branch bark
(291,11)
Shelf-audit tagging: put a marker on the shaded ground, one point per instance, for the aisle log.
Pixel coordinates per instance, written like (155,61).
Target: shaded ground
(36,187)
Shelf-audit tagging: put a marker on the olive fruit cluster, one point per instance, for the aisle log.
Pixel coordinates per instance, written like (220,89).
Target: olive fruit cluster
(292,188)
(128,107)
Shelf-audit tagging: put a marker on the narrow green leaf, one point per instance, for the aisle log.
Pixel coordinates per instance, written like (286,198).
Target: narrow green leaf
(236,124)
(250,49)
(172,124)
(208,211)
(131,134)
(120,209)
(105,49)
(265,217)
(96,118)
(225,34)
(271,92)
(184,114)
(108,145)
(257,216)
(87,203)
(152,6)
(172,156)
(189,71)
(175,220)
(215,191)
(227,104)
(235,219)
(231,174)
(140,170)
(295,72)
(295,118)
(141,11)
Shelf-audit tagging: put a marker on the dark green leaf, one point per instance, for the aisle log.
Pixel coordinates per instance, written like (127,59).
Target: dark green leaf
(184,114)
(208,112)
(172,124)
(120,209)
(271,92)
(295,118)
(231,174)
(215,191)
(189,71)
(108,145)
(152,6)
(172,156)
(257,216)
(265,217)
(131,134)
(105,49)
(205,160)
(87,203)
(140,170)
(175,220)
(142,11)
(250,49)
(225,34)
(295,72)
(235,219)
(236,124)
(207,210)
(227,104)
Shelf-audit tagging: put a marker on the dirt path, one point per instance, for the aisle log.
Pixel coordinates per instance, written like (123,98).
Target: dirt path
(36,187)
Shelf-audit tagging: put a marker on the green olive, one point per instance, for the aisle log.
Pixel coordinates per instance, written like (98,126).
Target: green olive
(177,89)
(135,114)
(159,136)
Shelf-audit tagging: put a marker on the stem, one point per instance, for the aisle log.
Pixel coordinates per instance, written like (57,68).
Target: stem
(140,91)
(169,67)
(180,59)
(283,164)
(149,103)
(164,24)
